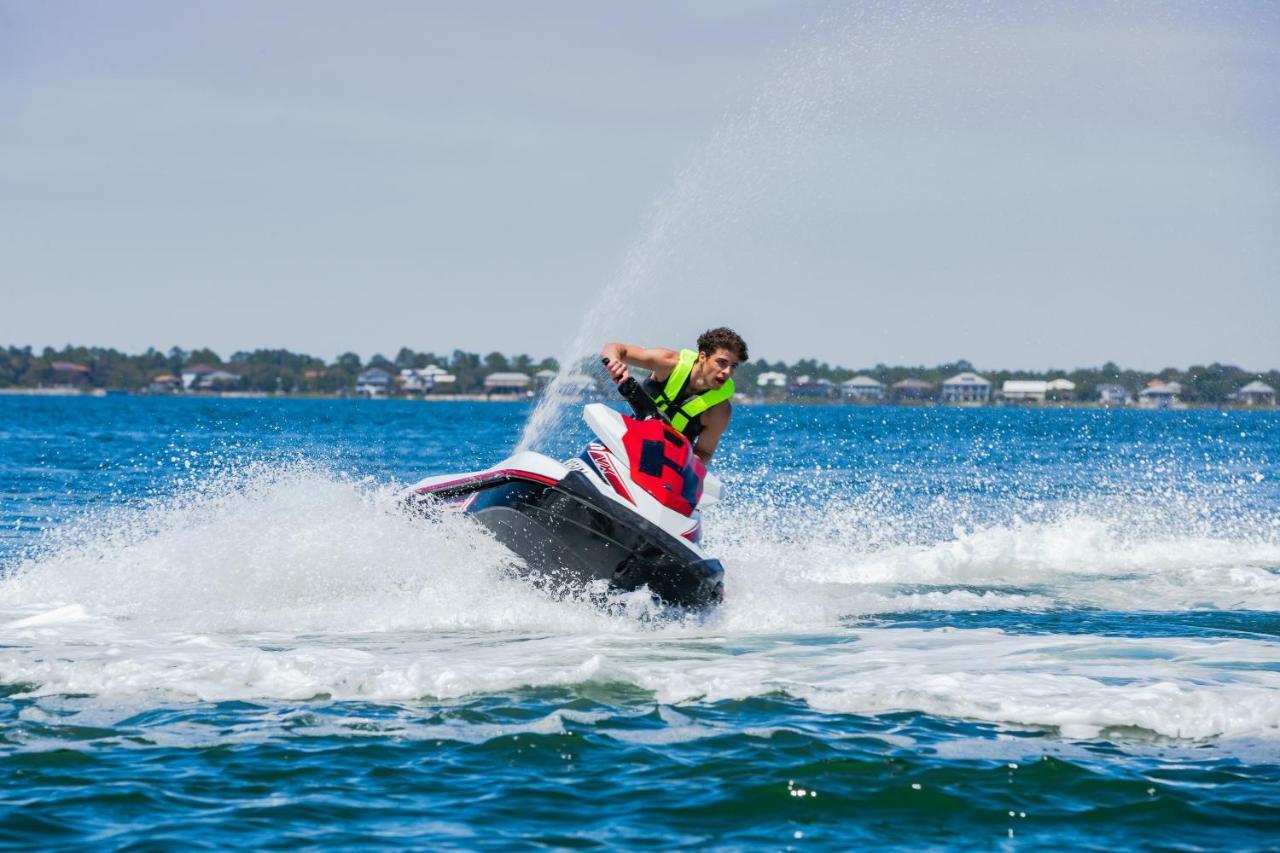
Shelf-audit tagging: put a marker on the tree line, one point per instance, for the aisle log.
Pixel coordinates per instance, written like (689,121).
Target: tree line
(1213,383)
(267,370)
(270,370)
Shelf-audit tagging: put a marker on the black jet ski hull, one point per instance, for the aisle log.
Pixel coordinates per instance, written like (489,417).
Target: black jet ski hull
(568,534)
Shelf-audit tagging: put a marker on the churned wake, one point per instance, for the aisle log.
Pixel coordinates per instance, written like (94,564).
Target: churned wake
(294,583)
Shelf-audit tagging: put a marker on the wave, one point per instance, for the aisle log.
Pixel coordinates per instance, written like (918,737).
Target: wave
(292,582)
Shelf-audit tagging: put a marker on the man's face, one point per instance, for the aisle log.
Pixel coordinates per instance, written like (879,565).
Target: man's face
(717,367)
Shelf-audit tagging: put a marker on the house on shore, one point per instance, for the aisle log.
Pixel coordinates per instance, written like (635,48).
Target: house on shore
(862,389)
(374,382)
(1060,389)
(967,387)
(193,373)
(912,389)
(808,388)
(507,384)
(1037,390)
(1024,390)
(1114,395)
(1160,395)
(205,377)
(771,379)
(68,374)
(425,380)
(165,383)
(1256,393)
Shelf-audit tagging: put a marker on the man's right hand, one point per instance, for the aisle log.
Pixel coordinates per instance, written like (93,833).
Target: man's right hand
(616,366)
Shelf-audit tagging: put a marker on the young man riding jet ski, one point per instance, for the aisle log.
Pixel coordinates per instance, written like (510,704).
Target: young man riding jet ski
(693,389)
(625,514)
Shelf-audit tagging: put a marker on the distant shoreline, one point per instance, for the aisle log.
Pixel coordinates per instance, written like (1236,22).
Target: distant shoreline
(496,377)
(98,393)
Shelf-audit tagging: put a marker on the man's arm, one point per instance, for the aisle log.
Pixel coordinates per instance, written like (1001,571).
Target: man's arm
(714,422)
(660,361)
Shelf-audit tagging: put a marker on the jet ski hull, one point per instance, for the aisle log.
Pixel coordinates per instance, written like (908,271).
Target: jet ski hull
(567,533)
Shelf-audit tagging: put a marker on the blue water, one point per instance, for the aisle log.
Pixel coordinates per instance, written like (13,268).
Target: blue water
(964,628)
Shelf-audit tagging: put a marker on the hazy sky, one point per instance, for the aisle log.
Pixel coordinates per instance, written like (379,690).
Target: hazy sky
(1016,184)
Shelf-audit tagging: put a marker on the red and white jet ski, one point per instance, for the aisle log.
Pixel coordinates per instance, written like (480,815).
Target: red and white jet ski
(624,512)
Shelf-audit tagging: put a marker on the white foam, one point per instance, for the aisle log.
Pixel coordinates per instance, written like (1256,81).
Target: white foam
(846,556)
(297,585)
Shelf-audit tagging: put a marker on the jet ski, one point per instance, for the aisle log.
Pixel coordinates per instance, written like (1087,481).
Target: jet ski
(622,516)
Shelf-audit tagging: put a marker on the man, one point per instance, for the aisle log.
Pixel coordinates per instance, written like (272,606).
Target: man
(693,389)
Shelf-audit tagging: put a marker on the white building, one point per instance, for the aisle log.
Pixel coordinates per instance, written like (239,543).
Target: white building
(424,380)
(808,387)
(913,389)
(218,379)
(1160,395)
(410,382)
(1061,389)
(1024,390)
(507,383)
(967,387)
(1114,395)
(374,382)
(772,379)
(862,388)
(1257,393)
(193,373)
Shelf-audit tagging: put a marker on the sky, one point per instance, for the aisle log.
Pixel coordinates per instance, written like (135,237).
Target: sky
(1015,184)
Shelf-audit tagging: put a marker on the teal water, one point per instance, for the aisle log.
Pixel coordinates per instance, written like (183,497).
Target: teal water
(950,628)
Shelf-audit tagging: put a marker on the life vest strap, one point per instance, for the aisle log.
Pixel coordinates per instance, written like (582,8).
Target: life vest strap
(682,413)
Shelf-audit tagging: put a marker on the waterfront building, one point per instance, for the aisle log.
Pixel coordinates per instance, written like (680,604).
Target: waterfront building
(1060,389)
(436,376)
(507,383)
(165,383)
(1160,395)
(206,377)
(967,387)
(68,374)
(808,388)
(374,382)
(410,382)
(1037,390)
(424,380)
(1256,393)
(862,388)
(217,380)
(1114,395)
(912,389)
(772,379)
(1024,390)
(193,373)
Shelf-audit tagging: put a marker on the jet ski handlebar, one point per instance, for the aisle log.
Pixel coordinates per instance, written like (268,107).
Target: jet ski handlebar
(641,403)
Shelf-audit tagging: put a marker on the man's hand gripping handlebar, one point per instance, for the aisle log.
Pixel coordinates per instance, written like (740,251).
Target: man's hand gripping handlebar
(641,403)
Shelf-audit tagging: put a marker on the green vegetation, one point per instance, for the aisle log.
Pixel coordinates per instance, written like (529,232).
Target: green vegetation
(272,370)
(264,370)
(1201,384)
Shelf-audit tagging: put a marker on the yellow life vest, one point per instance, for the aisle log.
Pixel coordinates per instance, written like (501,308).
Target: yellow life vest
(686,411)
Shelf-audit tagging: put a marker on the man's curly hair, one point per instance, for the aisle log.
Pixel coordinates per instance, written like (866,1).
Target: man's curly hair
(723,338)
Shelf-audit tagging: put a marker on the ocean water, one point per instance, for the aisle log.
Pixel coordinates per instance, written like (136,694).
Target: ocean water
(980,629)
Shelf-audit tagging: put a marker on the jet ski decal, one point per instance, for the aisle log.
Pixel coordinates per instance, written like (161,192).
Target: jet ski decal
(599,458)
